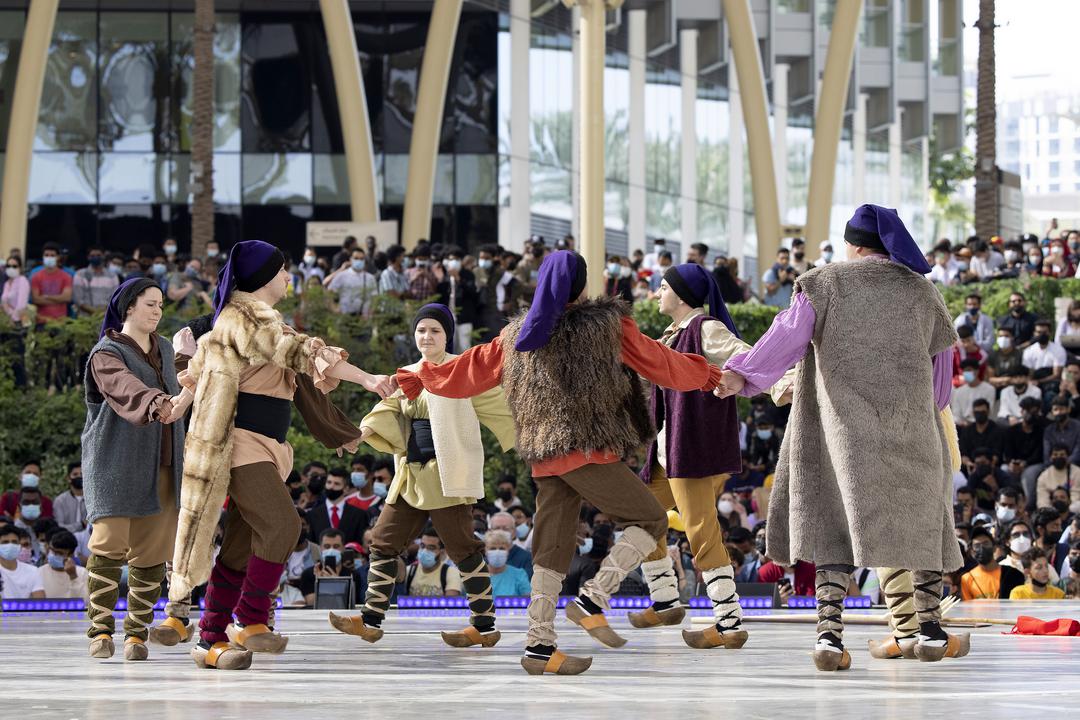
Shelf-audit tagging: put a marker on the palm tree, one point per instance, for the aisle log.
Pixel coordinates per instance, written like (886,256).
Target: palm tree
(986,190)
(202,130)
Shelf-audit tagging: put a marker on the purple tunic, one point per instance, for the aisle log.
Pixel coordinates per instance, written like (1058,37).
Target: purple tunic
(786,342)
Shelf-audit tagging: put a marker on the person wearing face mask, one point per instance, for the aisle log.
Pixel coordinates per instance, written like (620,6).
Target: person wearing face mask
(1057,263)
(332,511)
(1062,430)
(973,390)
(69,508)
(1040,585)
(16,293)
(20,579)
(1004,360)
(361,477)
(336,559)
(30,477)
(1019,321)
(309,265)
(988,580)
(422,281)
(1018,539)
(1018,390)
(616,282)
(967,349)
(432,575)
(1048,525)
(60,576)
(798,256)
(1045,357)
(945,270)
(426,486)
(1061,472)
(981,432)
(28,512)
(506,580)
(51,288)
(826,250)
(354,285)
(93,285)
(981,324)
(523,527)
(457,290)
(763,448)
(1068,330)
(518,556)
(651,261)
(506,494)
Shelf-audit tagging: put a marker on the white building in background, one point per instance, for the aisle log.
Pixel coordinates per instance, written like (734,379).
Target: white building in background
(1039,139)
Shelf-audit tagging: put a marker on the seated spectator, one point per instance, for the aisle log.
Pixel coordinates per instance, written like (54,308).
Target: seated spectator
(944,271)
(964,508)
(1070,386)
(1057,264)
(334,561)
(1009,507)
(584,565)
(988,579)
(1045,357)
(30,477)
(432,573)
(797,579)
(1019,321)
(20,579)
(985,478)
(1005,360)
(733,511)
(523,530)
(1047,525)
(980,323)
(331,509)
(1068,332)
(506,580)
(70,507)
(303,557)
(1020,388)
(973,389)
(865,583)
(1060,473)
(1062,430)
(986,262)
(982,432)
(60,576)
(519,557)
(764,447)
(1018,541)
(29,512)
(747,479)
(506,493)
(755,558)
(1039,586)
(966,349)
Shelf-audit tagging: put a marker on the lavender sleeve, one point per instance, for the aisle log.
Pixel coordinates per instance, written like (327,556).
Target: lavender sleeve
(943,369)
(779,349)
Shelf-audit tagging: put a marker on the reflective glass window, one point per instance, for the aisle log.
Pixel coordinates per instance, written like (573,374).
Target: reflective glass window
(276,179)
(63,177)
(67,118)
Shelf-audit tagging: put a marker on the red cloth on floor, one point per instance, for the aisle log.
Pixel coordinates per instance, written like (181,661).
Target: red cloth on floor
(1026,625)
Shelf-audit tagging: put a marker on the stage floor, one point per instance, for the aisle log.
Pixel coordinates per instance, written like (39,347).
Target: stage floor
(410,673)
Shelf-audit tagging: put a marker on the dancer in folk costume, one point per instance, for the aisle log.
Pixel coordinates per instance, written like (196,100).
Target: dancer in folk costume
(873,342)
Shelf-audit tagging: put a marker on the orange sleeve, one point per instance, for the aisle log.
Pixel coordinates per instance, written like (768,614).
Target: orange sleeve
(475,371)
(660,364)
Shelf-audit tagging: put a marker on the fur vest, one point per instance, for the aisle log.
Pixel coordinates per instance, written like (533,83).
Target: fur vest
(575,393)
(865,474)
(248,333)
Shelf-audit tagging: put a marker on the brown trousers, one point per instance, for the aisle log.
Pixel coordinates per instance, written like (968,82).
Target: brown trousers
(262,519)
(613,488)
(696,500)
(140,541)
(401,523)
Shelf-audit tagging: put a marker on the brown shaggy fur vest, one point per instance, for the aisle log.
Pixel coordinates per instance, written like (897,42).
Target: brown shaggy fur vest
(248,333)
(575,393)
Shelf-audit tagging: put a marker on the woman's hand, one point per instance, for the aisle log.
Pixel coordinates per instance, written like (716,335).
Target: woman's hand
(378,384)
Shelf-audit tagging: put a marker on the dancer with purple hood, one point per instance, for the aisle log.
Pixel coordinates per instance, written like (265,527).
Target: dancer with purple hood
(695,451)
(570,369)
(243,375)
(865,474)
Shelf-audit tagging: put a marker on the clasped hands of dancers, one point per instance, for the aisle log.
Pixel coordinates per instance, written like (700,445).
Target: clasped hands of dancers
(562,384)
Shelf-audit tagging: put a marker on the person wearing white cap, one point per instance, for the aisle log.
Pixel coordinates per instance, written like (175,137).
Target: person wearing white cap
(826,254)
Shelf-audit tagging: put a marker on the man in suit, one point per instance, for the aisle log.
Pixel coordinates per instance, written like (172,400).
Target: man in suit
(331,511)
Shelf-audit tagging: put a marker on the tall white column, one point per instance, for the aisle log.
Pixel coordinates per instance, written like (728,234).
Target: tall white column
(927,239)
(735,172)
(895,164)
(636,48)
(780,115)
(520,181)
(575,128)
(858,146)
(688,154)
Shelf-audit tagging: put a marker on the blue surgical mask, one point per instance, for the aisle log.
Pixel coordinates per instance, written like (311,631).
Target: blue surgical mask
(484,264)
(211,253)
(586,547)
(827,256)
(613,269)
(407,263)
(380,489)
(764,434)
(496,558)
(332,553)
(522,531)
(358,479)
(30,480)
(9,551)
(30,512)
(969,376)
(426,558)
(49,262)
(358,265)
(158,269)
(56,562)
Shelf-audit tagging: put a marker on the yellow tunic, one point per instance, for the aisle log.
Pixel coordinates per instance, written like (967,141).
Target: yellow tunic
(390,423)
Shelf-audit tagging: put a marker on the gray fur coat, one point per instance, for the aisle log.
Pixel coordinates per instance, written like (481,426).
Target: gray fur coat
(864,475)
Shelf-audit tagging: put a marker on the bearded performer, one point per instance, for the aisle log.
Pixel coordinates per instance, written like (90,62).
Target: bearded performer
(438,455)
(243,375)
(132,455)
(873,342)
(693,454)
(570,370)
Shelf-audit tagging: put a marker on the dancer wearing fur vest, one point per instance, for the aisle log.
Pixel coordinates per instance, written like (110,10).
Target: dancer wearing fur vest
(570,370)
(243,376)
(873,343)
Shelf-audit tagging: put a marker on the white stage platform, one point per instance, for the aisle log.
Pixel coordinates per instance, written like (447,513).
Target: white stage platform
(411,674)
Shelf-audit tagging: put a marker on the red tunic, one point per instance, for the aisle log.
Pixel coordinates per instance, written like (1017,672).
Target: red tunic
(480,368)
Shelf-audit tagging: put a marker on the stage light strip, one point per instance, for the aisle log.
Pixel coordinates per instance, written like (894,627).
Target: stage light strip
(77,605)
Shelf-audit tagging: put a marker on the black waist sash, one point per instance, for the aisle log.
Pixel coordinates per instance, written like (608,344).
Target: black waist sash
(264,415)
(421,444)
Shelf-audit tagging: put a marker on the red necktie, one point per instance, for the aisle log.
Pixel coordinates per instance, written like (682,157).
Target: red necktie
(335,520)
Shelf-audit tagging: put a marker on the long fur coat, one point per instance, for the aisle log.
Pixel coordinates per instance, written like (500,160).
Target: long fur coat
(248,333)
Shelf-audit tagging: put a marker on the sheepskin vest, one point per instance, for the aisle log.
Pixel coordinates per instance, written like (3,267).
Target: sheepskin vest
(865,476)
(247,333)
(575,394)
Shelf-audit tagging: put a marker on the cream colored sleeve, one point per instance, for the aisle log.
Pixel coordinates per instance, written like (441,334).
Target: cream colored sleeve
(386,424)
(720,345)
